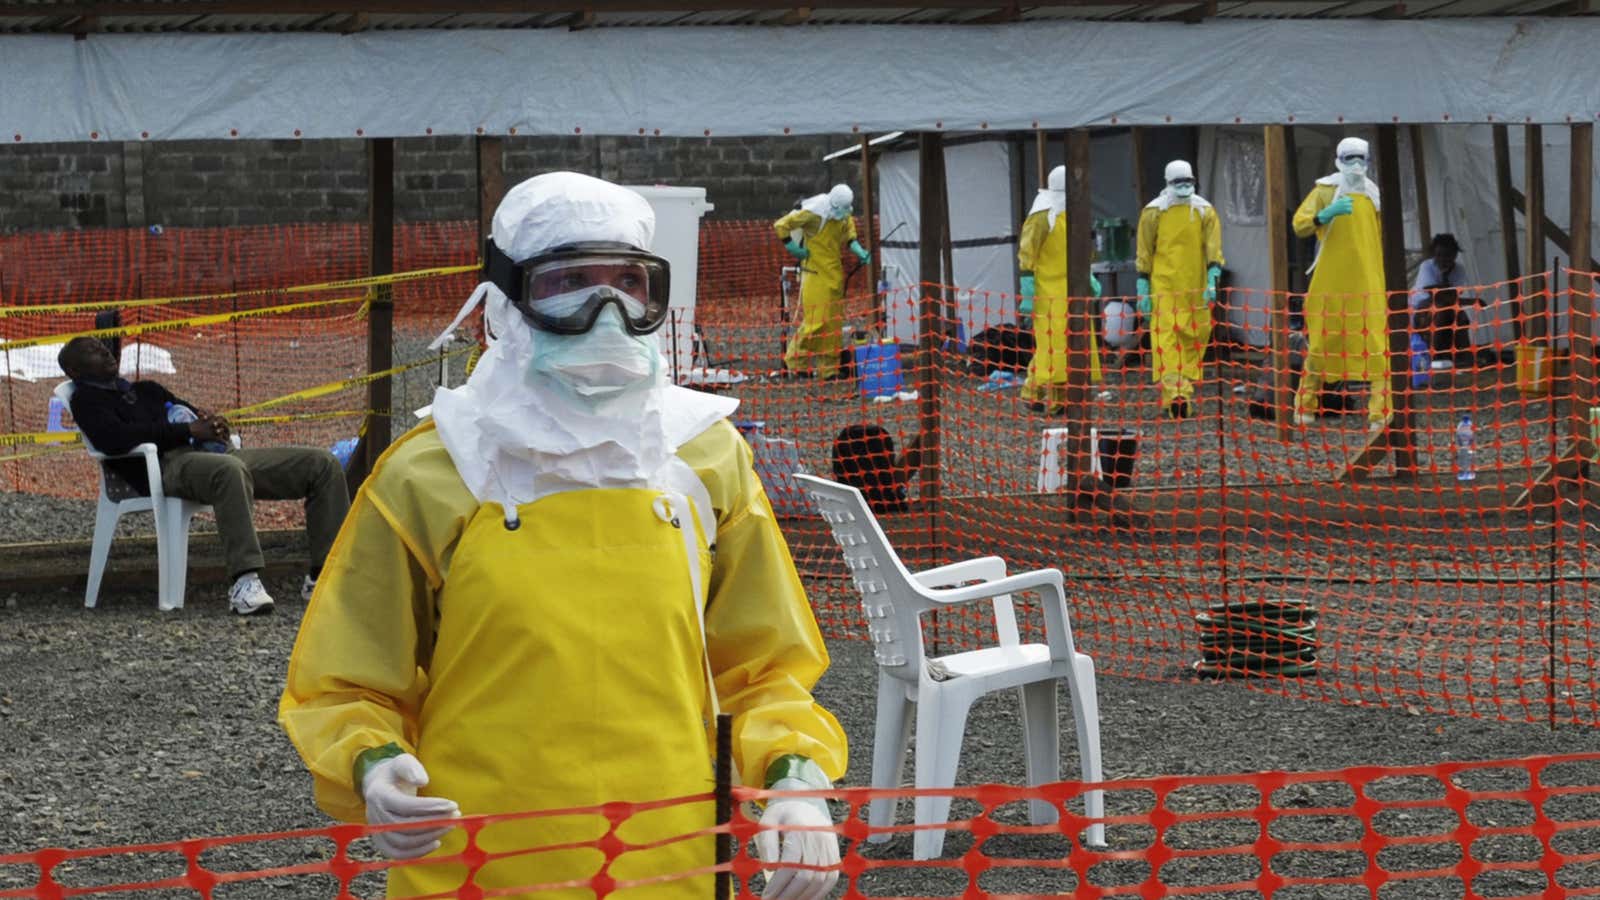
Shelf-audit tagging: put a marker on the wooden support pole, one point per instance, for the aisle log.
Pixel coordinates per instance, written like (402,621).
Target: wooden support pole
(1580,297)
(1039,162)
(1419,172)
(380,311)
(1080,251)
(1298,279)
(1536,304)
(1140,198)
(930,153)
(1508,224)
(869,217)
(1399,436)
(1278,290)
(491,183)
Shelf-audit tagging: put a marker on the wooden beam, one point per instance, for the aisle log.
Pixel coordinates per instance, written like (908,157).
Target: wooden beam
(1039,158)
(1508,224)
(1553,233)
(302,8)
(1580,295)
(1003,15)
(1199,12)
(491,182)
(1399,435)
(869,207)
(1298,279)
(353,23)
(799,15)
(930,154)
(380,310)
(1278,288)
(1537,304)
(1140,198)
(579,20)
(1080,251)
(1419,174)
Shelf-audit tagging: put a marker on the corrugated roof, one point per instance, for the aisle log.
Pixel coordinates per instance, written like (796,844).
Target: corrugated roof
(213,16)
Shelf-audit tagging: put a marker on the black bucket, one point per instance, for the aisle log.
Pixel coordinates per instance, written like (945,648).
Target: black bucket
(1116,453)
(1258,637)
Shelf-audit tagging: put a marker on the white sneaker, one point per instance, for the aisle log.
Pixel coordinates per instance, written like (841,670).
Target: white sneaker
(1304,418)
(248,596)
(1441,365)
(307,586)
(1104,395)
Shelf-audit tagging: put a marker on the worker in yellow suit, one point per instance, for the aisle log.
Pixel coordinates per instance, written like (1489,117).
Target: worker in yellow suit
(1042,259)
(1179,261)
(542,597)
(816,234)
(1346,311)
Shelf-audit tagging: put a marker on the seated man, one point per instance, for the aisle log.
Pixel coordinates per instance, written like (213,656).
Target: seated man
(1437,312)
(116,415)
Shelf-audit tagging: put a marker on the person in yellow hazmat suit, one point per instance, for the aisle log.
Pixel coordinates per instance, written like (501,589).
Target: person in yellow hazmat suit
(543,596)
(1179,261)
(1042,259)
(816,234)
(1346,311)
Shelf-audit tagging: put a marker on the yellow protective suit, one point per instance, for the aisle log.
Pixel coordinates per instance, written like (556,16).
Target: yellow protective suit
(1042,250)
(557,665)
(1176,246)
(1347,315)
(817,340)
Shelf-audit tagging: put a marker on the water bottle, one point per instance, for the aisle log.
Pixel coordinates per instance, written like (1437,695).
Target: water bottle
(1465,451)
(1421,361)
(178,413)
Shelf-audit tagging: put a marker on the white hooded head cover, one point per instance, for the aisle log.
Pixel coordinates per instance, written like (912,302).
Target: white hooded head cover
(1053,196)
(516,435)
(823,206)
(1164,201)
(1339,180)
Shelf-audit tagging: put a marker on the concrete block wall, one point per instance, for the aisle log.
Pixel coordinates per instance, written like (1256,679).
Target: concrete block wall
(48,187)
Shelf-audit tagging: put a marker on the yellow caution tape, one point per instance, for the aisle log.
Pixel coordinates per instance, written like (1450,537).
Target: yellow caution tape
(334,387)
(38,437)
(176,324)
(392,278)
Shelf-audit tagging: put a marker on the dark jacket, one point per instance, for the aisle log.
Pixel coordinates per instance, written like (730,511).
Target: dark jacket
(114,423)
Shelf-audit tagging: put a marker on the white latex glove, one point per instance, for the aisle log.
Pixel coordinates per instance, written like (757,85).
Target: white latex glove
(812,848)
(390,789)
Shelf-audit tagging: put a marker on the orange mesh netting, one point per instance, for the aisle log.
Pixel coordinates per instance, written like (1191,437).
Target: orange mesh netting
(1502,829)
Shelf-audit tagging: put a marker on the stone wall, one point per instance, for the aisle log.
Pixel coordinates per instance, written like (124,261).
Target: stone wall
(46,187)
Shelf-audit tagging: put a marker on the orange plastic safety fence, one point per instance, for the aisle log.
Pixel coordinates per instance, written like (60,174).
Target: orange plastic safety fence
(1527,828)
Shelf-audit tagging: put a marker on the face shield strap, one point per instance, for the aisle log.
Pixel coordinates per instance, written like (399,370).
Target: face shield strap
(501,271)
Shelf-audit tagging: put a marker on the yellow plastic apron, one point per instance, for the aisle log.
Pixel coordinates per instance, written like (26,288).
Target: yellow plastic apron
(818,339)
(1347,315)
(1181,329)
(1047,372)
(569,671)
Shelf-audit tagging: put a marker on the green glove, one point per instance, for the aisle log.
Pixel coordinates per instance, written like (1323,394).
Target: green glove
(1212,274)
(1339,207)
(798,251)
(860,252)
(1025,307)
(1094,285)
(1143,287)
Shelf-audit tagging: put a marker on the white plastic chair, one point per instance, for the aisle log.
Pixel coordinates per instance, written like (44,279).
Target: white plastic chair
(118,498)
(944,688)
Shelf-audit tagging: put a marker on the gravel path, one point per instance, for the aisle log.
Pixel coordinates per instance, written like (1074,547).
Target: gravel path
(121,725)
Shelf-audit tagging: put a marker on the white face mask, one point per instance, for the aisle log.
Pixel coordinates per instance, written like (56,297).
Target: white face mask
(1354,173)
(839,212)
(1183,191)
(602,363)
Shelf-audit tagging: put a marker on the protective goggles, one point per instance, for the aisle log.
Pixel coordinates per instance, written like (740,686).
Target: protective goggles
(1350,158)
(563,290)
(1182,182)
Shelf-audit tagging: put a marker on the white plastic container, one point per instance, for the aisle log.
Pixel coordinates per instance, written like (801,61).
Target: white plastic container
(678,212)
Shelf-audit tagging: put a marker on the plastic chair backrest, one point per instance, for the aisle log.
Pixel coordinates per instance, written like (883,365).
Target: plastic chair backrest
(889,598)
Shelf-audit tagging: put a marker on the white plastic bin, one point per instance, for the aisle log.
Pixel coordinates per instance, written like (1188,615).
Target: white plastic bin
(678,211)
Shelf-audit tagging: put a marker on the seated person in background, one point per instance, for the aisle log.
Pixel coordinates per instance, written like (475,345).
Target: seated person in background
(116,415)
(1436,304)
(864,458)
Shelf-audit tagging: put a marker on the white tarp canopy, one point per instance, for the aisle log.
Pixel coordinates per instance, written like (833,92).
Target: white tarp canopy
(725,81)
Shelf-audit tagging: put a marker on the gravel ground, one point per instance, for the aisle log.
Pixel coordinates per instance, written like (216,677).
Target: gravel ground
(120,725)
